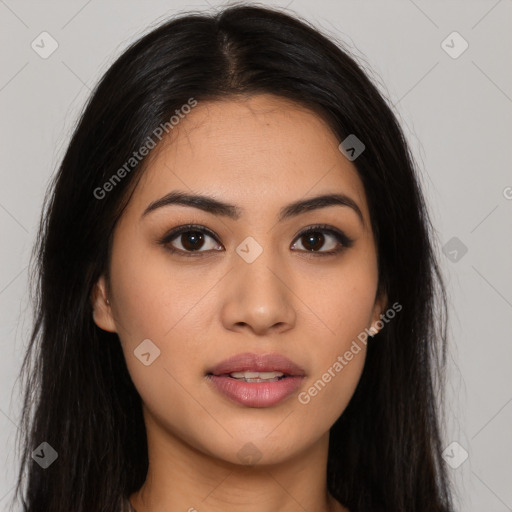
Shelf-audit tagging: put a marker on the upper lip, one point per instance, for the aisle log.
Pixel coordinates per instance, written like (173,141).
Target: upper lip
(257,363)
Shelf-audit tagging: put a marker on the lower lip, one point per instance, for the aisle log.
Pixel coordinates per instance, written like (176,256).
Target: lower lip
(255,394)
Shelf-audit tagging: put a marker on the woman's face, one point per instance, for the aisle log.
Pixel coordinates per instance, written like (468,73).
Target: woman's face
(247,283)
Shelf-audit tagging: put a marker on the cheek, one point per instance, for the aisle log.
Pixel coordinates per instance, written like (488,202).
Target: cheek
(152,298)
(339,360)
(345,305)
(153,303)
(341,299)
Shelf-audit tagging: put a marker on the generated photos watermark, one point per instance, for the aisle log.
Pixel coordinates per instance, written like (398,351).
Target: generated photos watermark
(343,360)
(149,144)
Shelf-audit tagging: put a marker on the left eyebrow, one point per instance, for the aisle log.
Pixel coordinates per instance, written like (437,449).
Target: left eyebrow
(216,207)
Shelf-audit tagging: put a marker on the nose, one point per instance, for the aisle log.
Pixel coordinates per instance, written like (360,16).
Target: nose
(259,298)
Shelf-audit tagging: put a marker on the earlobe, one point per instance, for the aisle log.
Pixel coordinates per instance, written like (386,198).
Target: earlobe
(378,310)
(101,307)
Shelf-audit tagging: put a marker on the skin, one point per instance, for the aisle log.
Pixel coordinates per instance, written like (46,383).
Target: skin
(259,153)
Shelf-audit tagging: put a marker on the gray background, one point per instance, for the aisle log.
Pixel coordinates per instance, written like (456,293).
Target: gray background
(456,113)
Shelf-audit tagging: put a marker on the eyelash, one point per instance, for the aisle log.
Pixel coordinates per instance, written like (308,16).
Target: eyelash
(341,237)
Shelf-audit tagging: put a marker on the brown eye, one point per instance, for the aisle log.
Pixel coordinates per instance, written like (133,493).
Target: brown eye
(193,240)
(316,238)
(190,240)
(313,241)
(196,240)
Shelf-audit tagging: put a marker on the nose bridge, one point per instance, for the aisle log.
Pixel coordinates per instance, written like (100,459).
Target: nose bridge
(258,266)
(259,294)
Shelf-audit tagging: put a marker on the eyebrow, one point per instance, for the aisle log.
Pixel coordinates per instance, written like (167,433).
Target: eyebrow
(216,207)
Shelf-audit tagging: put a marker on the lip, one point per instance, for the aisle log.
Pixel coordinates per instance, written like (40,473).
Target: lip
(248,362)
(256,394)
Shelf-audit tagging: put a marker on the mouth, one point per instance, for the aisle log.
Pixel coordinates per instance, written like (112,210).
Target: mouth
(247,365)
(251,376)
(255,380)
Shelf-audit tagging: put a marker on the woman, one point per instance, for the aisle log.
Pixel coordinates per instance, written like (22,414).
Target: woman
(236,215)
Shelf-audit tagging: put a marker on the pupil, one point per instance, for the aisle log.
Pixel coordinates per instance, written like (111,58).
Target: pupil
(193,237)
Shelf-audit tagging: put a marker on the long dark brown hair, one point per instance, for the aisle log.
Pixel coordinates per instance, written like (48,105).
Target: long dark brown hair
(385,449)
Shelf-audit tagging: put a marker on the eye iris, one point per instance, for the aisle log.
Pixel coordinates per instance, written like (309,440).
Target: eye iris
(310,240)
(190,240)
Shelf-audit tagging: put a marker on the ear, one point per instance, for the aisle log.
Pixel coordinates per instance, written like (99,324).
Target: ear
(101,307)
(380,306)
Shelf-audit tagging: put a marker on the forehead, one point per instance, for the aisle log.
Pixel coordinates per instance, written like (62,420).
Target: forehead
(254,152)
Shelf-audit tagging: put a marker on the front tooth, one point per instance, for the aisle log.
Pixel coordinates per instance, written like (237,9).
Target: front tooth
(256,375)
(270,375)
(251,375)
